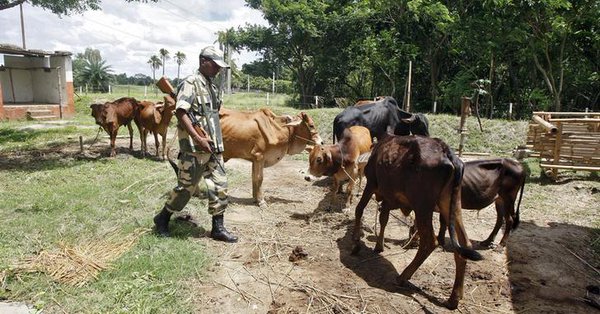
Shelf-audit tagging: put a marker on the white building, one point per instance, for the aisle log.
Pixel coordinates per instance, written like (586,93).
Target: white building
(35,84)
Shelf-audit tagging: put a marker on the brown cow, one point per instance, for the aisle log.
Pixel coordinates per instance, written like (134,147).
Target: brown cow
(264,138)
(416,173)
(154,118)
(368,101)
(341,160)
(492,181)
(112,115)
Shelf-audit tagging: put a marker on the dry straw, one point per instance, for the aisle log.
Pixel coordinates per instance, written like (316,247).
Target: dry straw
(79,264)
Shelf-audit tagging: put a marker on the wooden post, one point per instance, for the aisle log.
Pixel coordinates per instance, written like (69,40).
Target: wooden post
(557,145)
(510,111)
(408,87)
(434,106)
(464,112)
(81,143)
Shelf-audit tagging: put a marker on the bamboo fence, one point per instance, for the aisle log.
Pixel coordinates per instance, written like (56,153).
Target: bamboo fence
(565,140)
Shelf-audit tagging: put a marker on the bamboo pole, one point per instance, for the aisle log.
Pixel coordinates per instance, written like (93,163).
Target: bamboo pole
(557,147)
(583,120)
(547,125)
(570,167)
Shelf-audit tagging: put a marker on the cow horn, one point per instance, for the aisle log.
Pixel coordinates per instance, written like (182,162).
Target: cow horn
(410,120)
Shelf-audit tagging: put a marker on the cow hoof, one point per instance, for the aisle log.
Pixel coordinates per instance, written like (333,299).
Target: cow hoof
(405,284)
(451,304)
(262,204)
(486,243)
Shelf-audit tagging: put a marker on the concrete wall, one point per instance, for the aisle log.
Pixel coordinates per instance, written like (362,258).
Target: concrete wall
(25,82)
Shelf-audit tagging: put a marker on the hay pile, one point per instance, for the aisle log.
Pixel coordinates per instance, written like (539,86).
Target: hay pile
(77,265)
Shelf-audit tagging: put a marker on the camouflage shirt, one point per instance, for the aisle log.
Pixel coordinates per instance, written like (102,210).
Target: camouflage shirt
(198,95)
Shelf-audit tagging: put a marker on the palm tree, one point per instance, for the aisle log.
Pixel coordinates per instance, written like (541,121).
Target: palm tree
(96,73)
(180,59)
(155,64)
(164,55)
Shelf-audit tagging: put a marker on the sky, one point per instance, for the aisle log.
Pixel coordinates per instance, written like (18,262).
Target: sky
(128,34)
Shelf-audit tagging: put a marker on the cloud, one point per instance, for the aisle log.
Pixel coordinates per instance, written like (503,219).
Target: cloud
(128,34)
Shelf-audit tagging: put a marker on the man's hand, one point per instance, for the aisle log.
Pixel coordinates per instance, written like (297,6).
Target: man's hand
(204,143)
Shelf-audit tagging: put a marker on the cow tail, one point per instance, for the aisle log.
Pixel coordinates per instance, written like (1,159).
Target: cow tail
(456,182)
(516,219)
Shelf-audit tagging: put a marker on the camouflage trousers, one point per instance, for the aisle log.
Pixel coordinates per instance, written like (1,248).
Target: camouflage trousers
(192,168)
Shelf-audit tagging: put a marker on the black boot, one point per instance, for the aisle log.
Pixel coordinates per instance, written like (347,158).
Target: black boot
(219,232)
(161,222)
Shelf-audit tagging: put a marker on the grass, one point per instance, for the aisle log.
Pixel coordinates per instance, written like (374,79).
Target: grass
(50,195)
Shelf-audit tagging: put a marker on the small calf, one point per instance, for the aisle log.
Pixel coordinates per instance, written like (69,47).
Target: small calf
(154,118)
(341,160)
(112,115)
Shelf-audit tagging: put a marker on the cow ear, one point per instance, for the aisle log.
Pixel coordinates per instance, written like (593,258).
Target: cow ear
(309,148)
(294,123)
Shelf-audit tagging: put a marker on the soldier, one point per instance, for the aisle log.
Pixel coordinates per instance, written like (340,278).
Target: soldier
(200,149)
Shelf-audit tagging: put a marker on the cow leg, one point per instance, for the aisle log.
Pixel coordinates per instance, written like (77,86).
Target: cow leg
(156,143)
(130,136)
(257,179)
(164,144)
(142,139)
(441,238)
(459,280)
(423,217)
(358,213)
(353,176)
(113,137)
(384,216)
(500,214)
(508,211)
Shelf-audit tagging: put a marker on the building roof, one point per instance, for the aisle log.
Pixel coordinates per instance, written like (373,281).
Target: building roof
(16,50)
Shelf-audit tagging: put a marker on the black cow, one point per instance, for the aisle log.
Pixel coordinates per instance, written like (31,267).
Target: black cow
(381,117)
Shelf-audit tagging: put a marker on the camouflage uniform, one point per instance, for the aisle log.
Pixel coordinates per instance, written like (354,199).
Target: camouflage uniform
(196,94)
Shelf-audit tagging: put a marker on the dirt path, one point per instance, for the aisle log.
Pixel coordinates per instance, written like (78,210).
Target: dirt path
(535,273)
(542,270)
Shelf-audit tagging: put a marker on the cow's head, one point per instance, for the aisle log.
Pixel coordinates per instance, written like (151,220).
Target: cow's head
(304,134)
(314,133)
(416,124)
(319,160)
(99,113)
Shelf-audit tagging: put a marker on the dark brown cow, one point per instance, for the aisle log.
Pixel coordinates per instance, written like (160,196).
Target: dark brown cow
(264,139)
(419,174)
(341,160)
(154,118)
(112,115)
(492,181)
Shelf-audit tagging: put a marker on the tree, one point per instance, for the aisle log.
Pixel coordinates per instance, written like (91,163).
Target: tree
(180,59)
(164,56)
(81,60)
(155,64)
(96,73)
(61,7)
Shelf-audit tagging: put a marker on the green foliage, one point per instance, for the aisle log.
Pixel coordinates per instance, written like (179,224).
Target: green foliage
(96,74)
(62,7)
(362,48)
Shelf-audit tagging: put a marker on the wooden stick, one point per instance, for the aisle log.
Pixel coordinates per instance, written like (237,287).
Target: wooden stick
(547,125)
(582,260)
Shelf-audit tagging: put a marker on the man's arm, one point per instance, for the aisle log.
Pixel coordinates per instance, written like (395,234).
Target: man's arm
(184,120)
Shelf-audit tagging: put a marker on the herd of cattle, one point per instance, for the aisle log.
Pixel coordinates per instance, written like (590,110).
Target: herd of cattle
(403,166)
